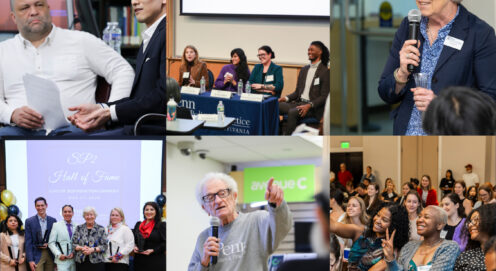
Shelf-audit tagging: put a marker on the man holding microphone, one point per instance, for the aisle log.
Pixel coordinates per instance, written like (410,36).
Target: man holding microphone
(244,241)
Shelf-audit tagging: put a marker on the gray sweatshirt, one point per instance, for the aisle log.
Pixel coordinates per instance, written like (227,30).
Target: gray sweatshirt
(247,242)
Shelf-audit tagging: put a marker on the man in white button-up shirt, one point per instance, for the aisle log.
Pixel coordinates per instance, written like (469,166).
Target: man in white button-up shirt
(72,59)
(148,92)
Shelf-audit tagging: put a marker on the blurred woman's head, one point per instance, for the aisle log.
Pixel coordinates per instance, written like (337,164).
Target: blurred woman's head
(356,209)
(452,204)
(372,190)
(13,224)
(485,193)
(480,225)
(460,188)
(425,182)
(406,187)
(238,58)
(413,202)
(265,54)
(190,55)
(449,174)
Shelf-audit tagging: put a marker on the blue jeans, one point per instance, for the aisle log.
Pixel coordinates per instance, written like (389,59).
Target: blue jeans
(20,131)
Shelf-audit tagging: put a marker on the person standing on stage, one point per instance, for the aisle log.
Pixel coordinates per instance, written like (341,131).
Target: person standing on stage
(38,230)
(60,242)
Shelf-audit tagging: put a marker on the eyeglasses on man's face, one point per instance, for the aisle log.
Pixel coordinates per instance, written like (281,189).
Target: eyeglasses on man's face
(223,193)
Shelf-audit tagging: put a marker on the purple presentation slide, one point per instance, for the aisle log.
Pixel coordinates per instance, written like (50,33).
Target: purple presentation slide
(101,174)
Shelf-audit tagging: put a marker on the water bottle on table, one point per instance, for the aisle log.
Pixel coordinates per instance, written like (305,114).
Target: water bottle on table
(171,110)
(106,33)
(248,87)
(116,38)
(240,87)
(202,85)
(220,112)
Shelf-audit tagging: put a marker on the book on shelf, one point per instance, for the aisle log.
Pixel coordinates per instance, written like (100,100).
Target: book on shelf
(131,28)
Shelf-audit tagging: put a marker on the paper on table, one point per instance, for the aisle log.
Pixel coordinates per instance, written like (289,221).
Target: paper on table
(43,96)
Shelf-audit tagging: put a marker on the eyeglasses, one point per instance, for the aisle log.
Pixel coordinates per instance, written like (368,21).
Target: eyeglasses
(474,221)
(224,193)
(260,55)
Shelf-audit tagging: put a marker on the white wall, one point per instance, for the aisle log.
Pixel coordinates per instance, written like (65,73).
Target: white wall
(185,217)
(484,9)
(215,37)
(457,151)
(382,153)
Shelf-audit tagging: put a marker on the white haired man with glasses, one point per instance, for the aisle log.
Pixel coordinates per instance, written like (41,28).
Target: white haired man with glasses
(245,240)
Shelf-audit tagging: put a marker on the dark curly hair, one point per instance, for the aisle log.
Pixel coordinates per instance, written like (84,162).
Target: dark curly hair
(399,222)
(487,217)
(456,200)
(242,70)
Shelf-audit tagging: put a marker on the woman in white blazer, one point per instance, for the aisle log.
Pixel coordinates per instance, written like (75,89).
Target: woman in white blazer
(121,242)
(60,241)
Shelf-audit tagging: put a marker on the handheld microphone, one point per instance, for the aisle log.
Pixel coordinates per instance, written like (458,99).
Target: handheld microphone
(215,223)
(414,17)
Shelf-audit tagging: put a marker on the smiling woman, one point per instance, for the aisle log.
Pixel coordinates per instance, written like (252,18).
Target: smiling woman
(367,252)
(432,252)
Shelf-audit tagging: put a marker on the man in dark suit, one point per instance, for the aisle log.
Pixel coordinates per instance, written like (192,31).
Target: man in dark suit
(312,88)
(37,232)
(148,92)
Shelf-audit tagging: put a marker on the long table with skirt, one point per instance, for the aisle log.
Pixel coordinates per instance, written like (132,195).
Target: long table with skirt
(252,118)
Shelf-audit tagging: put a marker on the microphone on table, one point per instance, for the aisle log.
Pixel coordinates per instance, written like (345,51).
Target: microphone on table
(215,223)
(414,17)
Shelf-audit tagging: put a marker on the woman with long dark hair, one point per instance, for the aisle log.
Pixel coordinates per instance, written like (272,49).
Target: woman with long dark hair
(149,241)
(231,74)
(12,254)
(447,183)
(460,188)
(366,252)
(372,200)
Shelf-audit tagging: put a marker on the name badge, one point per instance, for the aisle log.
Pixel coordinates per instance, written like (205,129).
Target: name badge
(316,82)
(269,78)
(185,75)
(453,42)
(424,268)
(443,234)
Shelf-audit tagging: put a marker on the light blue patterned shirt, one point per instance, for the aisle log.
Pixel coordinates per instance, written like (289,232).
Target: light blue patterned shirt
(43,225)
(430,56)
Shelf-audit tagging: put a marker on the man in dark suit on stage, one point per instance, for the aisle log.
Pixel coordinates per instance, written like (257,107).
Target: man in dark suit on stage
(148,92)
(38,230)
(312,89)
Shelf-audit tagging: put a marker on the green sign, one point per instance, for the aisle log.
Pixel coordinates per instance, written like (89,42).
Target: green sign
(298,182)
(345,145)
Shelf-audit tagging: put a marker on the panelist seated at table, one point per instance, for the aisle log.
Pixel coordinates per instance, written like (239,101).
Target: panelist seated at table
(71,59)
(312,89)
(266,77)
(192,69)
(230,74)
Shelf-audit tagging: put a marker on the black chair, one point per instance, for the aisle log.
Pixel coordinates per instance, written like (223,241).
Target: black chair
(86,17)
(211,80)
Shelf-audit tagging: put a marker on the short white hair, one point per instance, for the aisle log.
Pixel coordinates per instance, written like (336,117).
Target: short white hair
(442,215)
(228,180)
(88,210)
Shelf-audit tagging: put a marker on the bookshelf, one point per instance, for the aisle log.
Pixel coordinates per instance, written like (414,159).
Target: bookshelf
(121,11)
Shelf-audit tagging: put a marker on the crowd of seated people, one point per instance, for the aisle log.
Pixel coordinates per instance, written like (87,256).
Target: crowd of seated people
(413,231)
